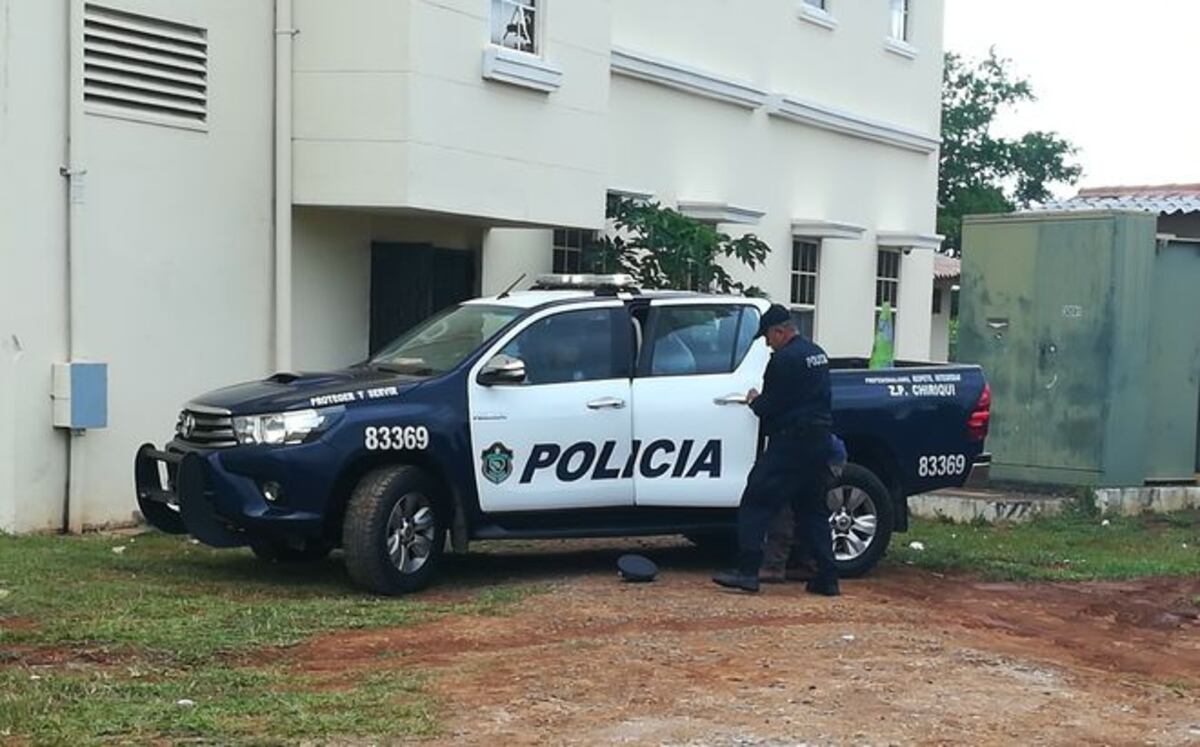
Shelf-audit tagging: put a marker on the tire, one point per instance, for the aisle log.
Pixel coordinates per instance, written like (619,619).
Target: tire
(395,531)
(274,551)
(856,496)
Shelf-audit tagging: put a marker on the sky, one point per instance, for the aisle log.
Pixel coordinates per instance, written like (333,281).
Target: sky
(1121,80)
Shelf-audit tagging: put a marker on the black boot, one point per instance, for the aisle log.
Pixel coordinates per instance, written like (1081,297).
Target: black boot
(824,588)
(737,580)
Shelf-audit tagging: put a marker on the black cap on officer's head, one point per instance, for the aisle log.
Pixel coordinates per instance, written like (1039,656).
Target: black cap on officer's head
(636,568)
(774,315)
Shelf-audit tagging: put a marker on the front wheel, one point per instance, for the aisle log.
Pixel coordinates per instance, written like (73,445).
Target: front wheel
(394,532)
(861,517)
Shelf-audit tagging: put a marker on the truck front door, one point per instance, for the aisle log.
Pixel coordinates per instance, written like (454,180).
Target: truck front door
(560,439)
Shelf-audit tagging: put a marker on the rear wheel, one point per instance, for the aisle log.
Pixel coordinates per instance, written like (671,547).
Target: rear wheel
(394,531)
(861,517)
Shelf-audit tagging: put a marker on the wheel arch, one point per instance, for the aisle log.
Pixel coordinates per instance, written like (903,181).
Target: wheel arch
(874,454)
(356,469)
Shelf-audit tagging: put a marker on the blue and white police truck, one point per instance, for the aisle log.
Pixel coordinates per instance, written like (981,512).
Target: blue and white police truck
(580,408)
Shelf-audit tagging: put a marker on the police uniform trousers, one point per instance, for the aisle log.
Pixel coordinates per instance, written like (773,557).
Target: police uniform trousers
(793,470)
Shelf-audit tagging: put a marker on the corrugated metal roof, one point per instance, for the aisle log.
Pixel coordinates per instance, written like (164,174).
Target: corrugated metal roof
(1164,199)
(946,268)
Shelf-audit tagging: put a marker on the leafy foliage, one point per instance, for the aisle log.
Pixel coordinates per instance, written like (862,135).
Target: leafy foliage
(982,173)
(662,248)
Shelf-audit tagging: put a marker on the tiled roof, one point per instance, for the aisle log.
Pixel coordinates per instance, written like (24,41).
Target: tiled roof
(1165,199)
(946,268)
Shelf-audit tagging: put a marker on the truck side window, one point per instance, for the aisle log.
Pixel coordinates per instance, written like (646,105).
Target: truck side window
(695,340)
(747,328)
(574,346)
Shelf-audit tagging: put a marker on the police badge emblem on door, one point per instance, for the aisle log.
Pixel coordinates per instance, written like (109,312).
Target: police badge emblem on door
(497,463)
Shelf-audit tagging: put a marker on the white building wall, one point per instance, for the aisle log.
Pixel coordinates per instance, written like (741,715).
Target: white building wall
(32,261)
(173,253)
(392,111)
(331,283)
(509,253)
(399,138)
(682,146)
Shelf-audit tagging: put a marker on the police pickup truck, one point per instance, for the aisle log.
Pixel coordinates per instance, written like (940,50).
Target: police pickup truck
(581,408)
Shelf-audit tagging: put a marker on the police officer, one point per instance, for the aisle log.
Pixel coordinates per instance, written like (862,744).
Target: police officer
(796,416)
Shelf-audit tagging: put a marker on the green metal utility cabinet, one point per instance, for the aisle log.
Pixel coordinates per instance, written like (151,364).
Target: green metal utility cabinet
(1088,327)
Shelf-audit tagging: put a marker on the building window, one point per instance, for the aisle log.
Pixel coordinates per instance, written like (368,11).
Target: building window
(937,301)
(887,279)
(805,254)
(887,286)
(900,11)
(515,25)
(568,249)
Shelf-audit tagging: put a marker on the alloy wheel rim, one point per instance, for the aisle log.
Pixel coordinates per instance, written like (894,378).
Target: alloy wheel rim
(853,521)
(410,534)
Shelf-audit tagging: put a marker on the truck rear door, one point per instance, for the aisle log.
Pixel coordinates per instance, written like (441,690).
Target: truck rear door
(694,438)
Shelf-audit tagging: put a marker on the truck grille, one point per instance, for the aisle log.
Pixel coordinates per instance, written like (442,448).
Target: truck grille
(204,427)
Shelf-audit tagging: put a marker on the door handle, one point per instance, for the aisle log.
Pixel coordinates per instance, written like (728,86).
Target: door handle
(731,399)
(607,403)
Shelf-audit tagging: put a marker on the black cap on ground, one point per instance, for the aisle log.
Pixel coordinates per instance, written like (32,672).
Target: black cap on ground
(774,315)
(636,568)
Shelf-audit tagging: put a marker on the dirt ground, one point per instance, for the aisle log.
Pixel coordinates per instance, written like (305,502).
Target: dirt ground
(902,657)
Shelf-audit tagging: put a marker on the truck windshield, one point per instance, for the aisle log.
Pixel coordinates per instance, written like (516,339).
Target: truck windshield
(441,342)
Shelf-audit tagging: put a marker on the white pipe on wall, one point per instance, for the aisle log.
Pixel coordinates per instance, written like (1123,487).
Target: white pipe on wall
(76,175)
(284,35)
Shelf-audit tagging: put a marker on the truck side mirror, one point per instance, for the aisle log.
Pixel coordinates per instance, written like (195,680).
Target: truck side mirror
(502,369)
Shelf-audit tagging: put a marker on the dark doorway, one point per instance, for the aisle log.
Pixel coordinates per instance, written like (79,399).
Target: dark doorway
(411,282)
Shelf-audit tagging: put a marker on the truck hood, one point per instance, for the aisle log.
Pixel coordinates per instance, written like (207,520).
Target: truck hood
(293,391)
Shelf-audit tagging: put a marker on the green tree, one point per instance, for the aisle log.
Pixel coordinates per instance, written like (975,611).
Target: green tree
(982,173)
(662,248)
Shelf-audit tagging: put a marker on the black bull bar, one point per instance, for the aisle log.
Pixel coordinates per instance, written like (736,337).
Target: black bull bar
(181,500)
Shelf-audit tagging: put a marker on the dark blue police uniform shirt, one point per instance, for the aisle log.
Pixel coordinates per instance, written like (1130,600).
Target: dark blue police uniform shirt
(795,389)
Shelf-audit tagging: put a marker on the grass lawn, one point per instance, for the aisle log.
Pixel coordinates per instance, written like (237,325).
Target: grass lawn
(98,646)
(101,646)
(1073,547)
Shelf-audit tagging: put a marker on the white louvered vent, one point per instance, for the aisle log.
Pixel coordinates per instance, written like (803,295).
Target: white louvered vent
(144,66)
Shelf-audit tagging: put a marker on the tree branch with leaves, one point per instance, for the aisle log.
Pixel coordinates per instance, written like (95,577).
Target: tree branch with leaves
(980,172)
(662,248)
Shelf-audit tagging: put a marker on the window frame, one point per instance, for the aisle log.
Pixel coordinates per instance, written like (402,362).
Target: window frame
(537,7)
(749,314)
(622,341)
(796,275)
(900,10)
(881,281)
(898,254)
(585,237)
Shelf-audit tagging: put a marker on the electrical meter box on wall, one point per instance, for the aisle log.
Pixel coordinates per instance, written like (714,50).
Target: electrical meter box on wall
(80,394)
(1086,324)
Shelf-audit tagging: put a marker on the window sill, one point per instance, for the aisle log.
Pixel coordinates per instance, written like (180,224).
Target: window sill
(520,69)
(816,16)
(901,48)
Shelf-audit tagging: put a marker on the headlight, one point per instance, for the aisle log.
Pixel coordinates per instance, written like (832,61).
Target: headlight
(282,427)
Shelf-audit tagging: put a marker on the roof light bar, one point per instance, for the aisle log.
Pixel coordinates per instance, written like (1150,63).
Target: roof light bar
(583,282)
